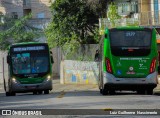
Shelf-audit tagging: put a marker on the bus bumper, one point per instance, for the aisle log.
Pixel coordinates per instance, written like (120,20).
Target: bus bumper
(111,82)
(17,87)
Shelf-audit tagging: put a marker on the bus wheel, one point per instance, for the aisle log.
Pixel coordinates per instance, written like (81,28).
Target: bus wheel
(39,92)
(34,92)
(46,92)
(142,92)
(150,92)
(104,91)
(100,91)
(13,94)
(112,92)
(10,93)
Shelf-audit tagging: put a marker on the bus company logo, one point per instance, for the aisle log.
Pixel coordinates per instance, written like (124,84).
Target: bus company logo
(131,71)
(6,112)
(131,68)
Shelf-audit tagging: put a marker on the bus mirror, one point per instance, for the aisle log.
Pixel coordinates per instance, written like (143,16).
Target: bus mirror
(158,69)
(52,61)
(8,59)
(106,35)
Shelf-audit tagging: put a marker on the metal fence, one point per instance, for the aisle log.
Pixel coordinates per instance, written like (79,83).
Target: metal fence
(149,19)
(104,23)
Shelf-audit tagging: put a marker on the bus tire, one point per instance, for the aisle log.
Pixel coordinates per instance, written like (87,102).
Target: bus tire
(150,92)
(112,92)
(104,91)
(46,92)
(10,93)
(39,92)
(141,92)
(13,94)
(100,91)
(34,92)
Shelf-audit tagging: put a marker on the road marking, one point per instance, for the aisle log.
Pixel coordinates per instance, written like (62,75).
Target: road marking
(107,109)
(61,94)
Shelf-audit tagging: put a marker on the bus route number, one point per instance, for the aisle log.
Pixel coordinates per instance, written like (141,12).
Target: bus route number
(130,34)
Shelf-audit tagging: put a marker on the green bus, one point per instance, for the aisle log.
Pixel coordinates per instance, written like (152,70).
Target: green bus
(28,68)
(128,60)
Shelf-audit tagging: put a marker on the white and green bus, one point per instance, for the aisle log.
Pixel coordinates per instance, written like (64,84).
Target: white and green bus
(129,60)
(29,68)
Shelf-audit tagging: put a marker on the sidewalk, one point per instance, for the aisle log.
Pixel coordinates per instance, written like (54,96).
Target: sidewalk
(80,87)
(72,87)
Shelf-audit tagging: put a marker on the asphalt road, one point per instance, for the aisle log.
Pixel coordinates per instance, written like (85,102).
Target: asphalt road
(79,97)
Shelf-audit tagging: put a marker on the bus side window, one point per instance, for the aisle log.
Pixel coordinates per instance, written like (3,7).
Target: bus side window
(106,36)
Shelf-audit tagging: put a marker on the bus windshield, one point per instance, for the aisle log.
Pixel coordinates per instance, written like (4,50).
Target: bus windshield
(129,42)
(29,60)
(30,63)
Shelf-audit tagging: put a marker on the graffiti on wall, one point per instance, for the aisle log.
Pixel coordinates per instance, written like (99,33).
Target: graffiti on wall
(81,72)
(78,65)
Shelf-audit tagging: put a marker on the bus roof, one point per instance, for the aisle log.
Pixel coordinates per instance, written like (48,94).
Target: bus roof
(26,43)
(128,28)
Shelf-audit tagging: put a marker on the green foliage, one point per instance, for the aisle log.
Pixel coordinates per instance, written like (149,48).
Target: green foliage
(113,13)
(135,23)
(73,22)
(15,31)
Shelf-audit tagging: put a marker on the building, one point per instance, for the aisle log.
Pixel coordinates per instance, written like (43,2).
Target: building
(127,8)
(140,12)
(19,8)
(11,8)
(39,8)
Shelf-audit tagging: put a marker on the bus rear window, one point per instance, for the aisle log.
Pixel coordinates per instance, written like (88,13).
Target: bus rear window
(132,38)
(130,42)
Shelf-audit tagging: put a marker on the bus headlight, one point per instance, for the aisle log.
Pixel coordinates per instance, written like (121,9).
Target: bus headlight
(48,77)
(14,80)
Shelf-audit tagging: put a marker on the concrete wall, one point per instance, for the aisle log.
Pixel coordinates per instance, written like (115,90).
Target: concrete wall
(1,69)
(79,72)
(85,52)
(57,59)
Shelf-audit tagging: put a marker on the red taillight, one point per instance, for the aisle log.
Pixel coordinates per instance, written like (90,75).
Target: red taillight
(108,66)
(153,65)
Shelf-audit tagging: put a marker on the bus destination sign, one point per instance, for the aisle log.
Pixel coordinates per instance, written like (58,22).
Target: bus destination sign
(28,48)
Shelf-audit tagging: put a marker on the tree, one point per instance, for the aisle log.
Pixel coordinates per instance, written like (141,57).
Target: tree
(16,30)
(73,22)
(113,13)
